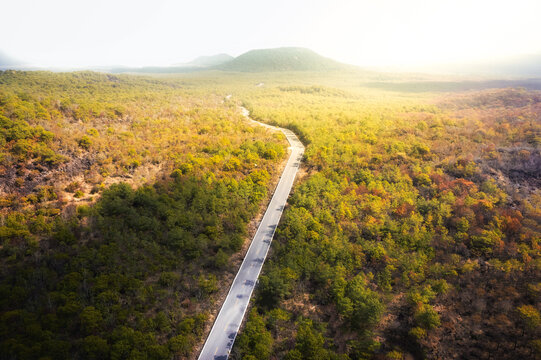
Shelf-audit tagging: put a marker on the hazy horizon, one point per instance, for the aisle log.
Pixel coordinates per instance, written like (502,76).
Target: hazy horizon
(389,33)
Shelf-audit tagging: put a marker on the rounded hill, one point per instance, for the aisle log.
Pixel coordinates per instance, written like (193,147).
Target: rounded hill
(281,59)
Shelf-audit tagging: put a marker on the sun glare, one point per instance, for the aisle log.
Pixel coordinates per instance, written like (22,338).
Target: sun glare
(388,32)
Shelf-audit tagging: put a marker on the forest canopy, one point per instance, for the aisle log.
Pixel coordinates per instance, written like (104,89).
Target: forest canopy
(122,202)
(125,202)
(416,231)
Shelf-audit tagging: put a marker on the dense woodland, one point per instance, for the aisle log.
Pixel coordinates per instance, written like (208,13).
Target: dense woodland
(412,232)
(122,201)
(415,233)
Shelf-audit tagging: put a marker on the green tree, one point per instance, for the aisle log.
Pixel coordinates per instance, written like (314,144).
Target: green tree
(94,348)
(255,340)
(427,317)
(91,320)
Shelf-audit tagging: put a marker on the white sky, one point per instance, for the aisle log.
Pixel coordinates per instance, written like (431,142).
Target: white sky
(362,32)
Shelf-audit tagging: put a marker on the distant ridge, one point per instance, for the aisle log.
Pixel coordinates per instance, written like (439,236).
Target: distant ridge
(7,62)
(282,59)
(262,60)
(213,60)
(198,64)
(517,66)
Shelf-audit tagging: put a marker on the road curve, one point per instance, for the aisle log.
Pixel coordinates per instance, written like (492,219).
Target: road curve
(227,323)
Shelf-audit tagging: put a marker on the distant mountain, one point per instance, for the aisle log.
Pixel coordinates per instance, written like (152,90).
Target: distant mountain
(7,61)
(264,60)
(151,69)
(207,61)
(198,64)
(281,59)
(522,66)
(518,66)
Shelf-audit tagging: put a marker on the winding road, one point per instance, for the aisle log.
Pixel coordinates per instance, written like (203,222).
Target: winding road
(227,323)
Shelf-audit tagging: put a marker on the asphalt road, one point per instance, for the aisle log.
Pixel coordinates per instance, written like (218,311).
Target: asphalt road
(227,323)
